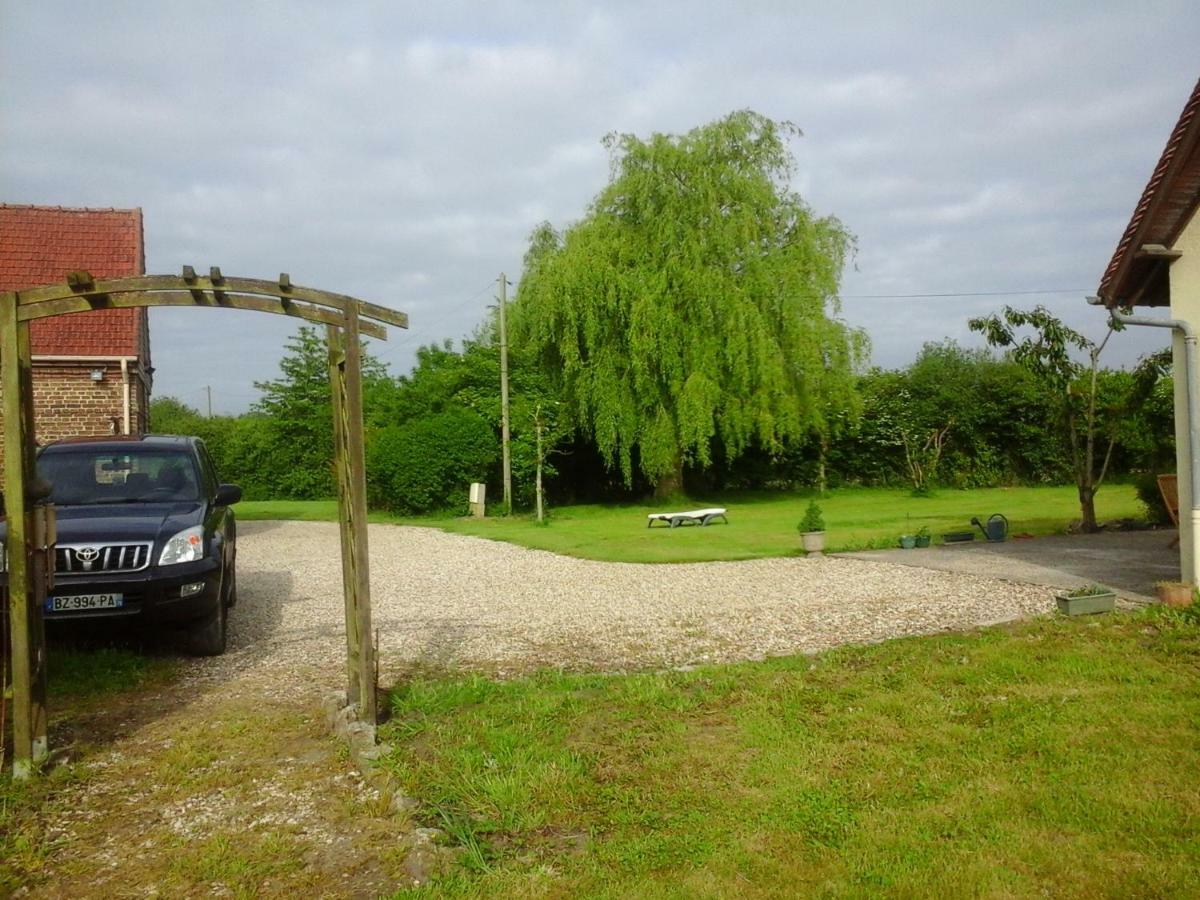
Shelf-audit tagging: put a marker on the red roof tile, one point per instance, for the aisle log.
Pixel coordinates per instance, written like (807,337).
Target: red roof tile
(41,244)
(1168,203)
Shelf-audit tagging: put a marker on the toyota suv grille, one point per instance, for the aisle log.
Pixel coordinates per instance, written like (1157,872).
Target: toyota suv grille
(72,559)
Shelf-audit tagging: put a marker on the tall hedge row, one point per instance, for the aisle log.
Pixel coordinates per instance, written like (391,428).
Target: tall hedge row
(434,431)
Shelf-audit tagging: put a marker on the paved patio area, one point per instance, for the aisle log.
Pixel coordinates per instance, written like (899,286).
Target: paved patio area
(1130,561)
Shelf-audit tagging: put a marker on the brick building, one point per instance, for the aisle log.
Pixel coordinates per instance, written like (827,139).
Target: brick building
(91,371)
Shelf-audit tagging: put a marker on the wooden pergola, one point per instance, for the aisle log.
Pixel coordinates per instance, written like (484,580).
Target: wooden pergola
(31,523)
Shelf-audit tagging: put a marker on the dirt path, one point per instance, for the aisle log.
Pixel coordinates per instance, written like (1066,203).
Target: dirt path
(226,782)
(231,790)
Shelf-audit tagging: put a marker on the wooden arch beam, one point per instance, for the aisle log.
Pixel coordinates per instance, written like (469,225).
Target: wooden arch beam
(223,290)
(197,298)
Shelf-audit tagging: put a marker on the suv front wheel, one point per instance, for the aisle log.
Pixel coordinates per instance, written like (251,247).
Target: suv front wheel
(209,639)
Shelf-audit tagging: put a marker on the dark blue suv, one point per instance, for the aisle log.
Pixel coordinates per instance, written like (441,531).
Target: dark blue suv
(146,534)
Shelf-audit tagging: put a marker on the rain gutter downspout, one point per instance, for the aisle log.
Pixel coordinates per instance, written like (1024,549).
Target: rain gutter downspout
(1193,406)
(125,392)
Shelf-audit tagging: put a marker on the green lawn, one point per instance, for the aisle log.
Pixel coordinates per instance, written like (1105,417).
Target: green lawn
(759,524)
(1052,758)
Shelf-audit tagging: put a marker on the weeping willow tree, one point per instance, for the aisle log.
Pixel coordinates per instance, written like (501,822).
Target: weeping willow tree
(693,306)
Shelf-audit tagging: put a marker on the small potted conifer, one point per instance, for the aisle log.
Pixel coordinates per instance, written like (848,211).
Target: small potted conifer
(812,529)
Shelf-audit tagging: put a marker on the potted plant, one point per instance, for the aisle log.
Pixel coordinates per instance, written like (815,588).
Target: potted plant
(1094,598)
(812,529)
(908,541)
(923,536)
(1175,593)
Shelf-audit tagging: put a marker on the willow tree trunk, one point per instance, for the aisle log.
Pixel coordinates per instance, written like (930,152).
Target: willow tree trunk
(670,484)
(823,454)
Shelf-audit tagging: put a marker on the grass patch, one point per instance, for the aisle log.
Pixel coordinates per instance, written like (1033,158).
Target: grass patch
(82,674)
(1055,757)
(79,680)
(760,525)
(239,863)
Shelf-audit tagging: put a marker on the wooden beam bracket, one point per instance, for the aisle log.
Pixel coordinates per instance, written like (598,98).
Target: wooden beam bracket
(80,280)
(1157,251)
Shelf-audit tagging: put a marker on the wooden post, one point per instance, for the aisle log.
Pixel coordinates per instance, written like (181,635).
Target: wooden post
(355,523)
(27,636)
(537,419)
(506,459)
(337,386)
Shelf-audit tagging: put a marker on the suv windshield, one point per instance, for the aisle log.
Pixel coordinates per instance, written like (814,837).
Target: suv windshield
(81,476)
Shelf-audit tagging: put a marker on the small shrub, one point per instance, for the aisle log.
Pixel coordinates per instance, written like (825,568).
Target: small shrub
(1146,485)
(813,520)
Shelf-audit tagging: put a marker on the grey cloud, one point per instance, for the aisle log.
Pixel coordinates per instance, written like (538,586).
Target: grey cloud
(403,152)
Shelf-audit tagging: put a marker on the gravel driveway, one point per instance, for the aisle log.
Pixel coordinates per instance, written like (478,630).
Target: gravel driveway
(451,600)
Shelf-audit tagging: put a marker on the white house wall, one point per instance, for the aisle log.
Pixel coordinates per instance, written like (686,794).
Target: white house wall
(1185,304)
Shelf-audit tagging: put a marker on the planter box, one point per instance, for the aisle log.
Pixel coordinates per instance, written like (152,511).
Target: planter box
(1085,606)
(812,541)
(958,537)
(923,540)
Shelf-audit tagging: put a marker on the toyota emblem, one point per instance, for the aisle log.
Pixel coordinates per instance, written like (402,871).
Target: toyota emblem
(86,554)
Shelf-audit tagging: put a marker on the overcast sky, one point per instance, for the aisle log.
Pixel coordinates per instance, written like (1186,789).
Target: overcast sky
(403,152)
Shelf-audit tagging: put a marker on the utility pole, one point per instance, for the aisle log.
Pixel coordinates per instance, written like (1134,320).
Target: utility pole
(504,398)
(537,422)
(208,390)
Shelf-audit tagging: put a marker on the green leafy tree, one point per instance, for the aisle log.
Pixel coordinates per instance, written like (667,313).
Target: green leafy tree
(297,414)
(691,307)
(1148,434)
(169,415)
(942,408)
(1088,419)
(445,379)
(225,437)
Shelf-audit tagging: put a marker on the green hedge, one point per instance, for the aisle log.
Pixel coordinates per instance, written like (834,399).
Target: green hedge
(429,463)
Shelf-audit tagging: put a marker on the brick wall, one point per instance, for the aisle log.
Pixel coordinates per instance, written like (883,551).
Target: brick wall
(67,403)
(40,245)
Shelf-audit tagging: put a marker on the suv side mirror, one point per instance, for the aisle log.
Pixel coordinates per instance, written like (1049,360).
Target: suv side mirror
(228,494)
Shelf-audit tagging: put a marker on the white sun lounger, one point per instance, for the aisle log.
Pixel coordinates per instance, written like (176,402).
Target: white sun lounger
(693,517)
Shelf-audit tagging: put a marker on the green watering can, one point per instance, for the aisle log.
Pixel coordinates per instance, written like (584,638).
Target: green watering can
(996,529)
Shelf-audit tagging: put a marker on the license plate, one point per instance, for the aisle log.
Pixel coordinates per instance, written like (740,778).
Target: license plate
(84,601)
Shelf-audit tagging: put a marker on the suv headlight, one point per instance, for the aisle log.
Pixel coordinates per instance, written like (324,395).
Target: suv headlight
(187,546)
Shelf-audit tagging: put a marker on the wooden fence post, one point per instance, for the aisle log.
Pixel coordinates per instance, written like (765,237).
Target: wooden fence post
(356,475)
(337,387)
(345,377)
(27,635)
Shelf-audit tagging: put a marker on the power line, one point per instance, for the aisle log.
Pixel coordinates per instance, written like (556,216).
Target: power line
(962,294)
(440,320)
